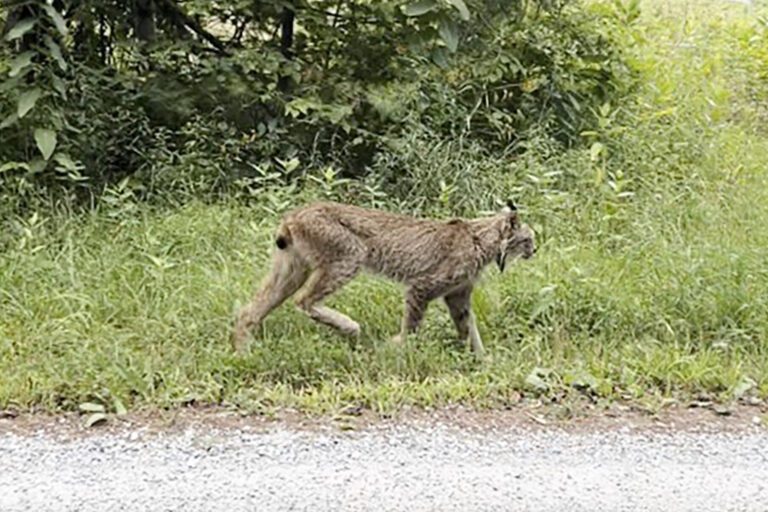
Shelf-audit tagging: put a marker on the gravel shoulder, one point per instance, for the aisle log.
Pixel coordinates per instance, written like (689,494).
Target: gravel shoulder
(448,460)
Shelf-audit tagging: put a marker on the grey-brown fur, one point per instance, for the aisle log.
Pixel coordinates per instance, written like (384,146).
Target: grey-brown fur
(322,246)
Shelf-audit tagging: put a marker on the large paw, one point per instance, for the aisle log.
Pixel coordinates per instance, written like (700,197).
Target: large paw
(239,345)
(239,342)
(351,328)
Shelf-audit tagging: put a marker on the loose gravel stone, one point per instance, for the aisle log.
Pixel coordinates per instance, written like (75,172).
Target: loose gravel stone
(403,468)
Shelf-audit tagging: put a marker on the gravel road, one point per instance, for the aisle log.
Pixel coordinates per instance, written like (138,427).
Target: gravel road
(404,468)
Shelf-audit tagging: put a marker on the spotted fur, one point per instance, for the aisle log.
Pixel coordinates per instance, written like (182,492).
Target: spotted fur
(320,247)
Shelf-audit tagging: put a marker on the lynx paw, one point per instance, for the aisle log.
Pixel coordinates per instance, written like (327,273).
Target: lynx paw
(351,328)
(238,340)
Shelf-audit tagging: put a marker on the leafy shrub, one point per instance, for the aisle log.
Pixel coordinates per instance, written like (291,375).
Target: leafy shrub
(347,91)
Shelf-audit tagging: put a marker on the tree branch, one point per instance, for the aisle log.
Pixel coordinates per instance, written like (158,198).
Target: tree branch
(239,31)
(286,32)
(286,42)
(144,14)
(337,16)
(181,18)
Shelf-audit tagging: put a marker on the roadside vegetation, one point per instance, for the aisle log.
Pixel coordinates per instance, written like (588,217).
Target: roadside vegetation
(138,205)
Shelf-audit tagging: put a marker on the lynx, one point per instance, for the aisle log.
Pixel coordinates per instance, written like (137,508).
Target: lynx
(322,246)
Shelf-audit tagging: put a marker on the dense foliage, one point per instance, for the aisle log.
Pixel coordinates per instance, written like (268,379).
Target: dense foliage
(201,97)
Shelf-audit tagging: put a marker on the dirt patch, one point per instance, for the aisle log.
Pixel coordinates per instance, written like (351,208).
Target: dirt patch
(533,415)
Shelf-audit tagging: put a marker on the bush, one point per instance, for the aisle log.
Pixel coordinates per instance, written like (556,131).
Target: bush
(177,120)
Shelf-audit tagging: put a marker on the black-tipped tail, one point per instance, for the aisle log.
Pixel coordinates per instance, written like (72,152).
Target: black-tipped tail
(283,237)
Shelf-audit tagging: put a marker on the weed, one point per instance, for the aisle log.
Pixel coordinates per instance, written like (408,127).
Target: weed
(649,282)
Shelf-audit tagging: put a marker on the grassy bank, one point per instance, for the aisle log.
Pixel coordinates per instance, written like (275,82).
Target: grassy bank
(650,280)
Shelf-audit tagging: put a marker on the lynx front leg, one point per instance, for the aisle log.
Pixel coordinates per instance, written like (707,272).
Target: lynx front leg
(460,307)
(474,336)
(415,306)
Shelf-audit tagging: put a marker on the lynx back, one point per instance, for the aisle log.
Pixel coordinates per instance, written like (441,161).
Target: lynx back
(321,247)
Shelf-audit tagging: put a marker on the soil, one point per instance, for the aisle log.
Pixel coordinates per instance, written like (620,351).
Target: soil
(533,415)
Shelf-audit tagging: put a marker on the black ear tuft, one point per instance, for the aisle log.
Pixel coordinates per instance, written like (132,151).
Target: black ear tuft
(511,205)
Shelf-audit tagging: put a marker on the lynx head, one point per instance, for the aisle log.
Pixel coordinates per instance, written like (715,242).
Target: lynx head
(517,239)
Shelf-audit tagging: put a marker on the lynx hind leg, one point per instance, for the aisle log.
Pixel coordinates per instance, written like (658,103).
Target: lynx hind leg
(415,307)
(286,277)
(458,304)
(322,282)
(460,308)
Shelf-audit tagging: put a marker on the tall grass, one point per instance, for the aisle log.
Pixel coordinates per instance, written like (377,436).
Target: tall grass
(650,280)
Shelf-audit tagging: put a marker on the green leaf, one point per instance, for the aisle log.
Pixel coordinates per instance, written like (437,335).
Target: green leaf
(21,28)
(420,7)
(58,84)
(301,106)
(120,409)
(55,50)
(462,8)
(581,379)
(37,165)
(95,419)
(745,385)
(46,141)
(13,165)
(20,62)
(8,121)
(290,165)
(66,162)
(91,407)
(536,379)
(595,150)
(440,57)
(27,101)
(449,31)
(58,19)
(535,382)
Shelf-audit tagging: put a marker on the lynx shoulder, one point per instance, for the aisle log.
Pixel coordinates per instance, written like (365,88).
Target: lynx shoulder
(322,246)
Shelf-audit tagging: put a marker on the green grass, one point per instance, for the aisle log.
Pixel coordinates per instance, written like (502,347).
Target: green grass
(140,310)
(650,281)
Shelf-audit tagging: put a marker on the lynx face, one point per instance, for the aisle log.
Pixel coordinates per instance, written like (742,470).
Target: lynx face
(517,240)
(522,244)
